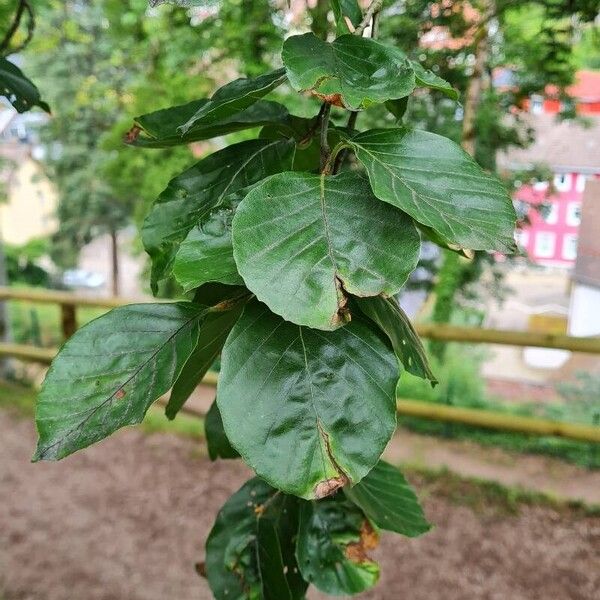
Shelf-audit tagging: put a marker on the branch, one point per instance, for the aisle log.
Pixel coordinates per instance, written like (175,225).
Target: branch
(21,8)
(325,150)
(30,27)
(373,9)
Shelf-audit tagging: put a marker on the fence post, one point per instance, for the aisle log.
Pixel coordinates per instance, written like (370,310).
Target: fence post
(68,320)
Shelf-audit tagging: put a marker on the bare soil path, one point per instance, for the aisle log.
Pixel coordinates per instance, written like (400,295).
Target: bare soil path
(127,519)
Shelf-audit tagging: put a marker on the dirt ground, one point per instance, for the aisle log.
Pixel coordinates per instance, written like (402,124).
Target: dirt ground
(127,519)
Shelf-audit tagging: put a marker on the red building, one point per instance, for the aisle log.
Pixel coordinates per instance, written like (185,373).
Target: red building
(584,93)
(572,152)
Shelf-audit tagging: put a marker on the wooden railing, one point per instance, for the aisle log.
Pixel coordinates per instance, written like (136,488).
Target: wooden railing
(479,418)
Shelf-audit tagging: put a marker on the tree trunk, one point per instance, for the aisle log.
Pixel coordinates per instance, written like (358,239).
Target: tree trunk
(114,262)
(449,276)
(476,82)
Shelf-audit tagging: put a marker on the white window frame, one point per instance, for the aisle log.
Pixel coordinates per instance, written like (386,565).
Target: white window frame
(580,183)
(563,182)
(572,218)
(550,236)
(536,104)
(569,246)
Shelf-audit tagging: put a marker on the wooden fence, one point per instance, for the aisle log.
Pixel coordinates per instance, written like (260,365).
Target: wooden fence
(480,418)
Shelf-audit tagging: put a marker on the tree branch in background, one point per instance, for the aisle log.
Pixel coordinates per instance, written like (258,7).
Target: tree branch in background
(373,9)
(22,7)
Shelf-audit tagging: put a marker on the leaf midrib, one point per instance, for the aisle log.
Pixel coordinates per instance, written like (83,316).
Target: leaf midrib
(95,409)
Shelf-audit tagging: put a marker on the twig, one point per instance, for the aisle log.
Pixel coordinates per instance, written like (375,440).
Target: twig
(14,26)
(341,157)
(372,14)
(30,28)
(374,8)
(325,150)
(315,125)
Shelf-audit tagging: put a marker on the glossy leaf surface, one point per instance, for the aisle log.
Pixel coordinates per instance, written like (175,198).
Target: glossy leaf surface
(206,254)
(233,98)
(252,539)
(351,71)
(439,185)
(303,242)
(110,372)
(389,501)
(307,409)
(159,129)
(334,540)
(216,438)
(394,322)
(427,78)
(18,89)
(191,196)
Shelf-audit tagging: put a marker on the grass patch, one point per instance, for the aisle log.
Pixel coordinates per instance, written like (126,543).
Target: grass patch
(40,324)
(17,398)
(484,496)
(461,385)
(184,425)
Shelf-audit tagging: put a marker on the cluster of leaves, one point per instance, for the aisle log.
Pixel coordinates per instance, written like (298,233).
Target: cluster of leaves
(293,256)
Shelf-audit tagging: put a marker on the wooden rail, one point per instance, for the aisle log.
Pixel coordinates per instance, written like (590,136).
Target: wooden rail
(467,416)
(448,333)
(439,412)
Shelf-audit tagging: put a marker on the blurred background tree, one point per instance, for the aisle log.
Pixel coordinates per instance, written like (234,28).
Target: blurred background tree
(109,61)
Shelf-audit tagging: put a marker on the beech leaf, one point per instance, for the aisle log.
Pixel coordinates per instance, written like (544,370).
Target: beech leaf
(109,373)
(324,402)
(389,501)
(439,185)
(334,541)
(193,194)
(303,242)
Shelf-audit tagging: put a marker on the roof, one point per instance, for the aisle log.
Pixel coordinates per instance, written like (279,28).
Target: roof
(587,266)
(585,89)
(564,146)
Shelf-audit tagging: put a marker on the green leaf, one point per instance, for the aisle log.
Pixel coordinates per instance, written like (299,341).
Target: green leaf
(307,410)
(427,78)
(346,8)
(439,185)
(252,544)
(303,242)
(233,98)
(334,539)
(389,501)
(392,320)
(18,89)
(213,333)
(109,373)
(159,129)
(206,254)
(191,196)
(397,107)
(351,71)
(216,438)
